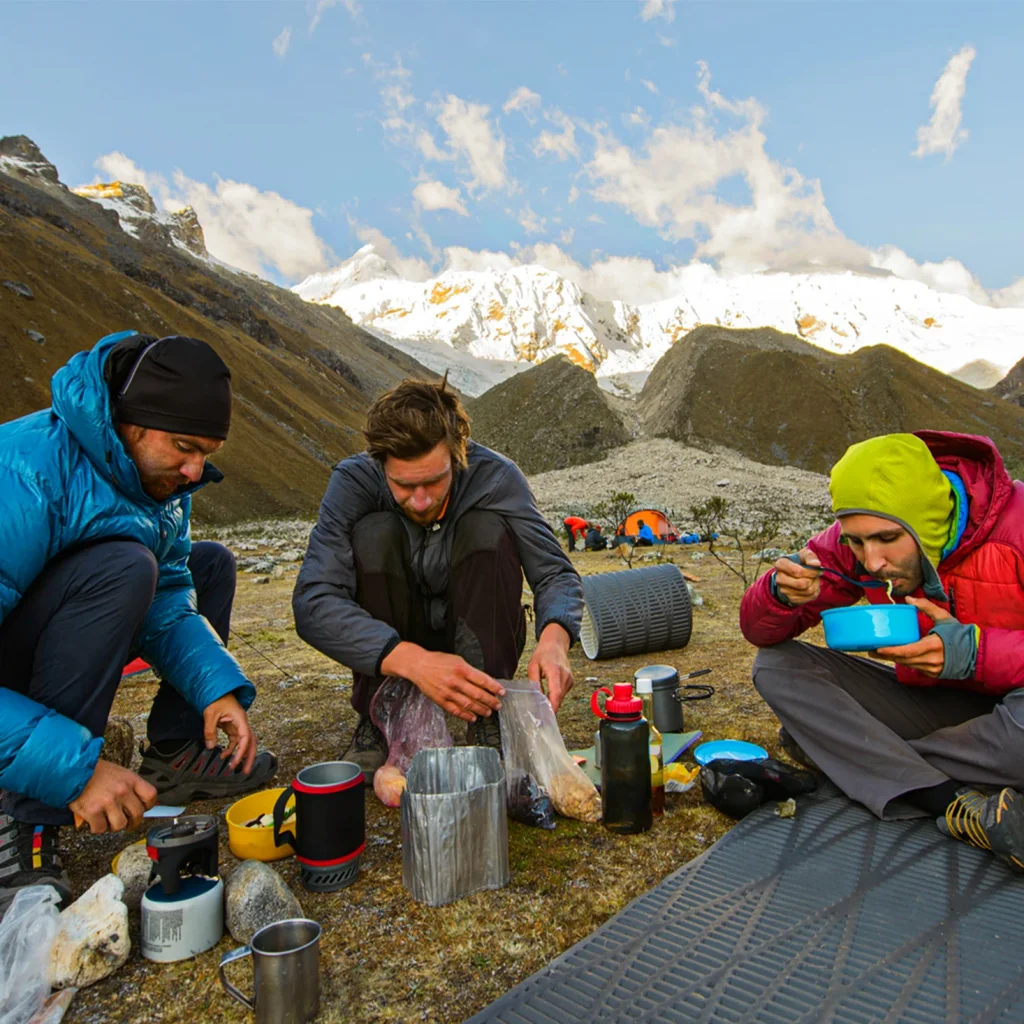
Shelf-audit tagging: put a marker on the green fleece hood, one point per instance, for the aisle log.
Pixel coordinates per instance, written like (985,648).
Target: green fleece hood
(896,477)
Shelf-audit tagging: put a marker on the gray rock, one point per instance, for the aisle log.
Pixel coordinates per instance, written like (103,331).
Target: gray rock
(19,288)
(119,741)
(133,868)
(260,565)
(256,895)
(262,579)
(291,555)
(39,339)
(92,941)
(722,483)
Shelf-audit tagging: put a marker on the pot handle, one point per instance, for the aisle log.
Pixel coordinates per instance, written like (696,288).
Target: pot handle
(595,706)
(280,836)
(705,692)
(236,954)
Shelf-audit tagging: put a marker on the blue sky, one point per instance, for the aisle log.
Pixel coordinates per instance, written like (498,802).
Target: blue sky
(752,135)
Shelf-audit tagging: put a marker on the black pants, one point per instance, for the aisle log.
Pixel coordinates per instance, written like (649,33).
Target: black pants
(69,638)
(485,623)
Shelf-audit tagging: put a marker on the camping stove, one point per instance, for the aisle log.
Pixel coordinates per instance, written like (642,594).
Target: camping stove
(183,910)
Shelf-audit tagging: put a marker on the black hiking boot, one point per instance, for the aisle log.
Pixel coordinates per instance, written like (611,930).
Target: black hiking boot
(367,748)
(485,732)
(187,771)
(794,751)
(30,855)
(993,823)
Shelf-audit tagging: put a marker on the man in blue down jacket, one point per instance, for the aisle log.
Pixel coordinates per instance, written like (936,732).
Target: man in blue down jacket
(97,566)
(415,569)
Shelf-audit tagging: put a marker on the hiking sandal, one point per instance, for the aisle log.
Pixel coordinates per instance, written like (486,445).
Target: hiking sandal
(194,773)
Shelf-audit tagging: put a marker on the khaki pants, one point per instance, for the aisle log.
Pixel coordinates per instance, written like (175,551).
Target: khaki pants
(877,739)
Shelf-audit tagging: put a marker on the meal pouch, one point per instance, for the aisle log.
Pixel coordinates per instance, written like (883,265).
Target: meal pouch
(540,774)
(410,722)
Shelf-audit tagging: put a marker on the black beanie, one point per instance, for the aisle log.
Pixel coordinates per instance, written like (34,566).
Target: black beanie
(176,384)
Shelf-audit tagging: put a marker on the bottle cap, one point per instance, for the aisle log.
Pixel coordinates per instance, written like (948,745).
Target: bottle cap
(644,686)
(622,704)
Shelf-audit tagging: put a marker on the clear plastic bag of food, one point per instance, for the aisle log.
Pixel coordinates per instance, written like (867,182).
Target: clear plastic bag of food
(27,932)
(539,772)
(411,722)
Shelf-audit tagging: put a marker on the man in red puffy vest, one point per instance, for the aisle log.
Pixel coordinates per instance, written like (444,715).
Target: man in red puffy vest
(942,733)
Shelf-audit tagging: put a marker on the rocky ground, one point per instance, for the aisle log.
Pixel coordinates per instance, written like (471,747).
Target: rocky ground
(665,474)
(385,957)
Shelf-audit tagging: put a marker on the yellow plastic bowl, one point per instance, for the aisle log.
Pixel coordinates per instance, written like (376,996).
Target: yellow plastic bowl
(117,856)
(257,843)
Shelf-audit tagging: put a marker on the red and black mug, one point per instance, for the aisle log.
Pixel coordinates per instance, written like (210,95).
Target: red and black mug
(329,824)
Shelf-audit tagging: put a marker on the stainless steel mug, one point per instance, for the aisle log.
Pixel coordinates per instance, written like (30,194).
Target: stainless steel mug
(286,972)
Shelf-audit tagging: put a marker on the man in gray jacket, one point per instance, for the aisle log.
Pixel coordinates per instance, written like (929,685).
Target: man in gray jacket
(415,569)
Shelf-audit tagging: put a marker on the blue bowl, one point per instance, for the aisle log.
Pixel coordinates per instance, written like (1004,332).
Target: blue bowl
(866,627)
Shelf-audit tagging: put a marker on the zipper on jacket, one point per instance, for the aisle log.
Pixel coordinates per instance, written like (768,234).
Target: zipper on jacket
(952,601)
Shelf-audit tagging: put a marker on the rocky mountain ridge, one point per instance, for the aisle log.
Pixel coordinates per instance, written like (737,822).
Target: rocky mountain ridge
(525,314)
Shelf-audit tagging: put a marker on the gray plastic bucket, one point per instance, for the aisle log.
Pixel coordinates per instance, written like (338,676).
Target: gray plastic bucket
(635,611)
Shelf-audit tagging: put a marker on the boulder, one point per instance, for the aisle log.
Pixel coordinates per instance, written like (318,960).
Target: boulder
(39,339)
(92,941)
(255,896)
(119,741)
(133,868)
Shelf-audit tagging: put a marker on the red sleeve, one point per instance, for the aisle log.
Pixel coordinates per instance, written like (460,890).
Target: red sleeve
(764,620)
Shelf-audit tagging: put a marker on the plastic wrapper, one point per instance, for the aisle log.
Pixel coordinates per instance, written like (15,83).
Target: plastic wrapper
(27,932)
(538,768)
(454,829)
(411,722)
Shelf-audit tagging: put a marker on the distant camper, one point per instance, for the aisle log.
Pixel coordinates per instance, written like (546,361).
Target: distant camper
(645,535)
(575,529)
(594,541)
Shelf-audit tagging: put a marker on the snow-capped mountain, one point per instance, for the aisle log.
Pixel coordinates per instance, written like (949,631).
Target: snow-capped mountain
(487,324)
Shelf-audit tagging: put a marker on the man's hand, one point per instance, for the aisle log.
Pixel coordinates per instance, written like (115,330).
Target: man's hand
(230,716)
(551,660)
(927,655)
(113,799)
(448,680)
(798,584)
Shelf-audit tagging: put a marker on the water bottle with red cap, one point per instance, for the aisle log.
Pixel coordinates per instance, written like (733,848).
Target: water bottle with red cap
(625,761)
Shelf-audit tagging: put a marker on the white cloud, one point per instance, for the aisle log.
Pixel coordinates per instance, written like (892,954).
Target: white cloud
(261,232)
(530,222)
(567,236)
(595,219)
(525,100)
(658,9)
(649,85)
(1011,295)
(637,118)
(943,134)
(281,43)
(574,193)
(472,137)
(429,148)
(321,6)
(671,185)
(561,144)
(433,195)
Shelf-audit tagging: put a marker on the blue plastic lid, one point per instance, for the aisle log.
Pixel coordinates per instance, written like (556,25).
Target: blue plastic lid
(736,750)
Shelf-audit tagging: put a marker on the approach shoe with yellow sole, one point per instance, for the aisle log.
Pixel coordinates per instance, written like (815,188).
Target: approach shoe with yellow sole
(993,823)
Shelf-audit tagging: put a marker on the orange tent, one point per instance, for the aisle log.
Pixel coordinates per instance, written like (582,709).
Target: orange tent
(657,521)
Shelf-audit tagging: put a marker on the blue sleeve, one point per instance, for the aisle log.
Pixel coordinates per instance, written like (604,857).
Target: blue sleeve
(179,642)
(42,754)
(27,527)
